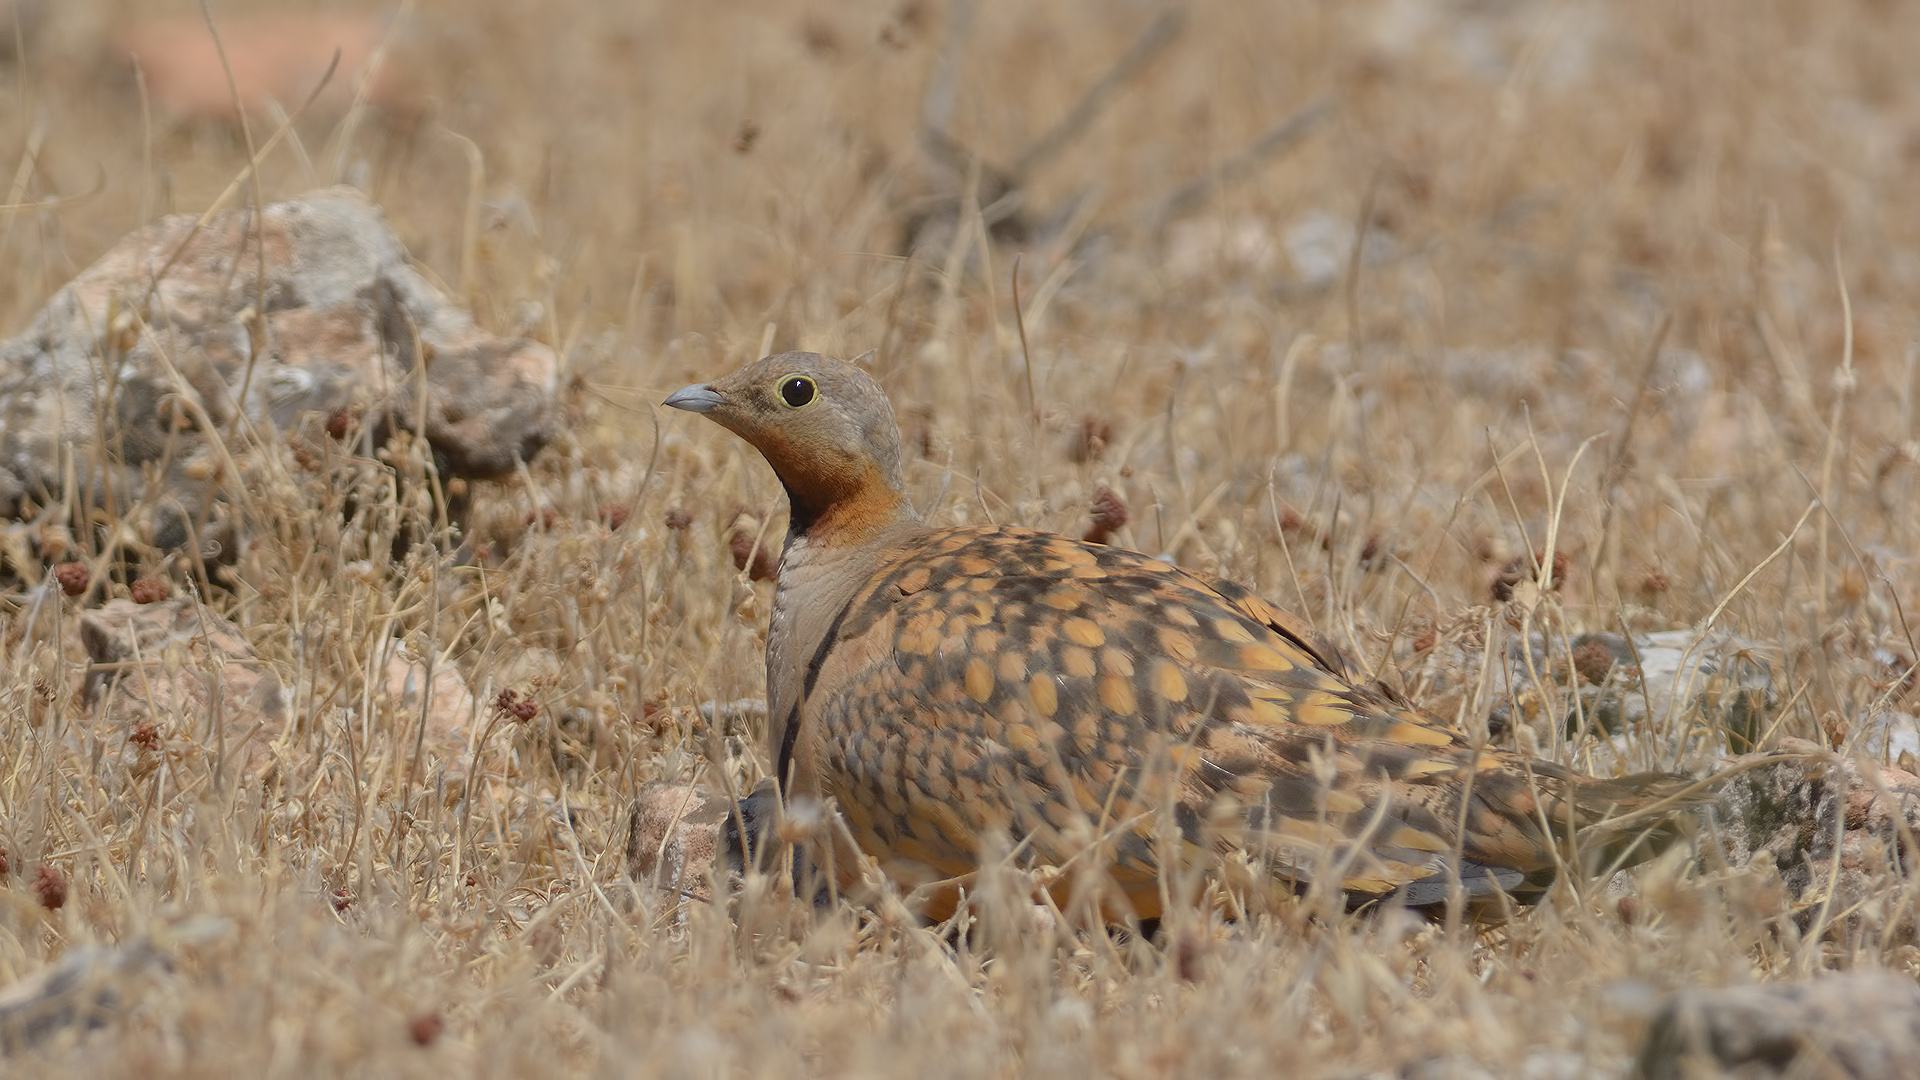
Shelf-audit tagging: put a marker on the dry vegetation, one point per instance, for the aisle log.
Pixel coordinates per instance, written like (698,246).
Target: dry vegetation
(1646,265)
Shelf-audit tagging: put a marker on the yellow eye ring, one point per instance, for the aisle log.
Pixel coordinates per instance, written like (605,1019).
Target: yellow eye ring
(797,391)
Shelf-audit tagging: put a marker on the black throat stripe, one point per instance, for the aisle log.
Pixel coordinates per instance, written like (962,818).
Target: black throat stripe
(789,737)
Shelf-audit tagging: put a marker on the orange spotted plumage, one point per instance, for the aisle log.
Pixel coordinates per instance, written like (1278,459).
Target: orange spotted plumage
(1081,704)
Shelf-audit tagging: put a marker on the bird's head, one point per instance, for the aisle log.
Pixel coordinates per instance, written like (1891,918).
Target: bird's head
(826,428)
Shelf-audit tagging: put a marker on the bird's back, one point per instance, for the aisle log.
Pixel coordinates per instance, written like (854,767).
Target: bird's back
(1091,706)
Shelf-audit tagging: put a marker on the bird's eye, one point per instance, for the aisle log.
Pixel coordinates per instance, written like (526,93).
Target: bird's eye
(796,391)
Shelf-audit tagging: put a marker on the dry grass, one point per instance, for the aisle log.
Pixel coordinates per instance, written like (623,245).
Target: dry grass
(1558,182)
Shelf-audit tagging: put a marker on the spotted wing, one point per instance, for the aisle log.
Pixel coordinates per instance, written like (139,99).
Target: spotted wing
(1090,703)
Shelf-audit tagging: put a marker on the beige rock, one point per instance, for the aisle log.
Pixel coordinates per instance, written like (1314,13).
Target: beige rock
(449,706)
(350,328)
(675,836)
(183,671)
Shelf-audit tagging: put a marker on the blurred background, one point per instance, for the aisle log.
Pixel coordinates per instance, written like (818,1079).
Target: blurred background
(1535,171)
(666,189)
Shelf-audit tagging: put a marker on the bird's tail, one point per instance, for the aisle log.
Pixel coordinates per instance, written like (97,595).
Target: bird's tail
(1623,820)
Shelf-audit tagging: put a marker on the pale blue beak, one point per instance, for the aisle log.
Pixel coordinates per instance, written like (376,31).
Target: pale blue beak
(699,398)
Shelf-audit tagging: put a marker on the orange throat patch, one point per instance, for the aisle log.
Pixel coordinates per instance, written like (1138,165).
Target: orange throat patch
(843,510)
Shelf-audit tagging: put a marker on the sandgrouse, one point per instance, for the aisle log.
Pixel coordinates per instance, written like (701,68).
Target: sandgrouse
(1083,705)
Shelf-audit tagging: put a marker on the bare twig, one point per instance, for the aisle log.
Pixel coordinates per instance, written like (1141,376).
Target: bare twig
(1151,43)
(1282,136)
(943,87)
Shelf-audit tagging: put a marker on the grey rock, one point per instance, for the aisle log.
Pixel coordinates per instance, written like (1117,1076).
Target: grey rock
(1655,685)
(84,990)
(1840,830)
(1864,1025)
(1536,1065)
(124,382)
(92,985)
(1720,677)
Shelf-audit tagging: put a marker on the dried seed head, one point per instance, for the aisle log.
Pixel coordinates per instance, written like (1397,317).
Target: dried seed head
(912,15)
(752,556)
(340,422)
(1526,568)
(150,590)
(1853,585)
(72,577)
(424,1028)
(1370,550)
(50,887)
(1188,955)
(510,704)
(1090,439)
(1648,582)
(1836,728)
(822,38)
(746,136)
(679,519)
(1109,513)
(802,821)
(1592,660)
